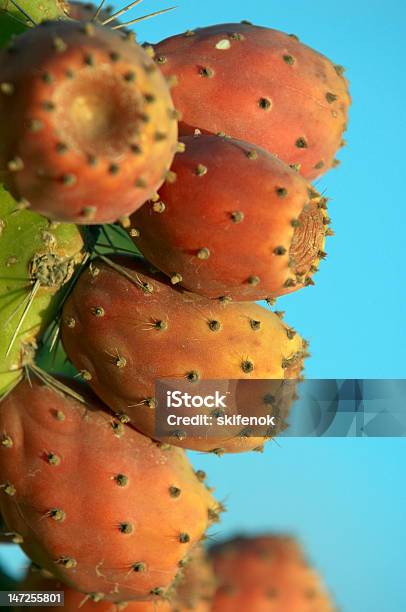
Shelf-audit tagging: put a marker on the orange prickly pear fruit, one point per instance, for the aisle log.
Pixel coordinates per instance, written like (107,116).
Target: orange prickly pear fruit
(96,524)
(266,574)
(124,327)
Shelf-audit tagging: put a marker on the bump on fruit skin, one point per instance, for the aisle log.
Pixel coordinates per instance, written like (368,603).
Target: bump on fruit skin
(36,257)
(80,144)
(280,224)
(286,97)
(166,333)
(87,549)
(266,573)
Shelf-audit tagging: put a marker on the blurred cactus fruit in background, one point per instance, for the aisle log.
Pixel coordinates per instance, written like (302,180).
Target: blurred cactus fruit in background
(91,130)
(100,13)
(194,590)
(118,527)
(37,258)
(86,11)
(124,326)
(262,86)
(237,222)
(264,574)
(197,585)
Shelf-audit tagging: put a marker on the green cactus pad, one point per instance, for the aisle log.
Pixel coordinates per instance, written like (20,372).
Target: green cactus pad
(37,258)
(14,22)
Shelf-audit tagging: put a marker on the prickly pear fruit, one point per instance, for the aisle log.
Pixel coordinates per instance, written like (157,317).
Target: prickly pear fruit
(197,585)
(86,11)
(117,528)
(14,21)
(124,330)
(237,222)
(194,592)
(264,574)
(284,96)
(91,130)
(37,258)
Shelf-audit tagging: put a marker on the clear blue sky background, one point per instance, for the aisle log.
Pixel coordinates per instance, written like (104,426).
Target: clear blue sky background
(345,499)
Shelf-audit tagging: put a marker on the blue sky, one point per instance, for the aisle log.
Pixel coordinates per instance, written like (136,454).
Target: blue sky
(345,499)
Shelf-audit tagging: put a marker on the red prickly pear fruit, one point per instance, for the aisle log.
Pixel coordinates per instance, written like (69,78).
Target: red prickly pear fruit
(91,130)
(239,199)
(91,12)
(86,11)
(108,527)
(126,334)
(195,590)
(266,573)
(284,96)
